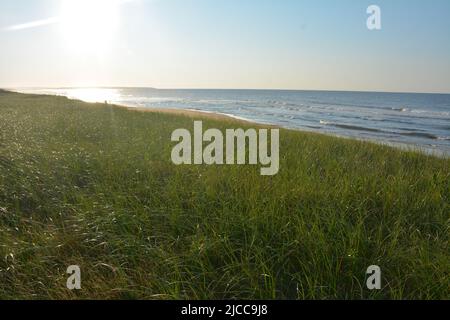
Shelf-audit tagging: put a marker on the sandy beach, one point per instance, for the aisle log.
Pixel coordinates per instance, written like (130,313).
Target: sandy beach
(193,114)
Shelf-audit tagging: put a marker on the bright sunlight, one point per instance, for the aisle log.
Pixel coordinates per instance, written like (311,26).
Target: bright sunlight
(89,25)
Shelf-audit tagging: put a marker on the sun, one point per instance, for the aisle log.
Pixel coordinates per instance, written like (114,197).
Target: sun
(89,25)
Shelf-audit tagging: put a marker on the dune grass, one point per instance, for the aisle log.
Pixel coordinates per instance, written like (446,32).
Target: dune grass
(93,185)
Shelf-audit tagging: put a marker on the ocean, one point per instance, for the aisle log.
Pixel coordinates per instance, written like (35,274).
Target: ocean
(403,119)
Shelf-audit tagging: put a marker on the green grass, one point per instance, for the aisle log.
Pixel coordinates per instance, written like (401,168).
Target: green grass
(93,185)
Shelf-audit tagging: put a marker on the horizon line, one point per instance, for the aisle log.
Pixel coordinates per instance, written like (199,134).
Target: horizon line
(219,89)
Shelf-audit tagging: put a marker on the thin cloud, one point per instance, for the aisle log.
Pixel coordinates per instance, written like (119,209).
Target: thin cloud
(49,21)
(33,24)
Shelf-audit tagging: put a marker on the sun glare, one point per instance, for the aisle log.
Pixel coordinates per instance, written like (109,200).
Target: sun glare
(92,94)
(89,25)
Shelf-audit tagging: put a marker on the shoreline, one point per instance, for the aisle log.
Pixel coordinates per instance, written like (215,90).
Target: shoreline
(192,114)
(175,111)
(221,117)
(211,115)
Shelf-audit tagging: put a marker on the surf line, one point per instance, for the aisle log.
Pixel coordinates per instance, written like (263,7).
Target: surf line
(236,148)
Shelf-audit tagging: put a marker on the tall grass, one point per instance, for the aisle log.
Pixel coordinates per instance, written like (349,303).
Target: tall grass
(93,185)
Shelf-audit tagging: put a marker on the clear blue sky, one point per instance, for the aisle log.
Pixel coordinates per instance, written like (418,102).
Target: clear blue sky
(288,44)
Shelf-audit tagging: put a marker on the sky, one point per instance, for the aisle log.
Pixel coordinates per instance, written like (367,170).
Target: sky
(239,44)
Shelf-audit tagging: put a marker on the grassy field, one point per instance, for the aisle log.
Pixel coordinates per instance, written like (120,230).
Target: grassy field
(93,185)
